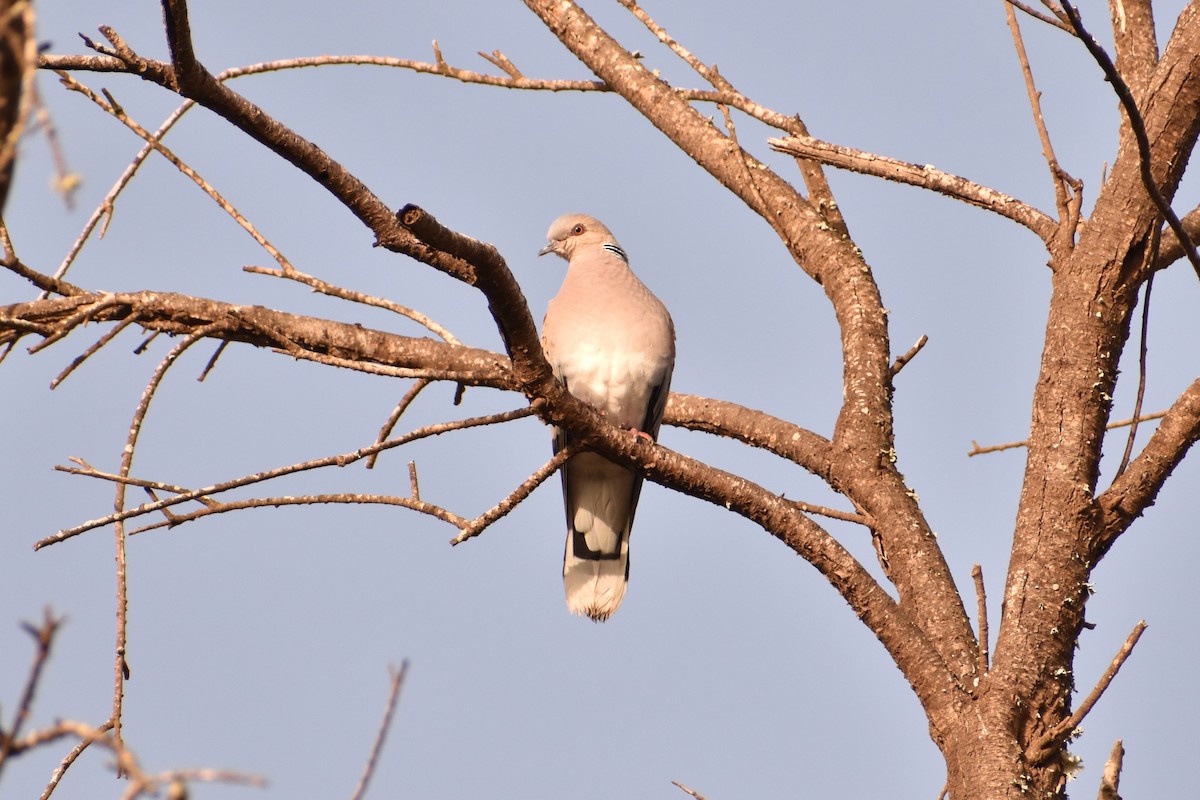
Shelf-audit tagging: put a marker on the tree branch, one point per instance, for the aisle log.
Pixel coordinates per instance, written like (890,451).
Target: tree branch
(1170,249)
(925,177)
(1138,126)
(43,635)
(977,450)
(341,460)
(981,603)
(1046,18)
(396,683)
(344,498)
(1110,781)
(1068,191)
(756,428)
(471,529)
(181,314)
(909,355)
(1055,738)
(1135,42)
(1135,489)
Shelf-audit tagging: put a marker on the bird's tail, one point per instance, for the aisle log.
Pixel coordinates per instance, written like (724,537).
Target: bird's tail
(600,499)
(595,582)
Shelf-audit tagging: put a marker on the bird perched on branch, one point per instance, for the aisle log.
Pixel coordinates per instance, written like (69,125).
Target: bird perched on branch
(612,344)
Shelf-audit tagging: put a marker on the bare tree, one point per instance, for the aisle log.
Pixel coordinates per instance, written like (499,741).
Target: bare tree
(1002,719)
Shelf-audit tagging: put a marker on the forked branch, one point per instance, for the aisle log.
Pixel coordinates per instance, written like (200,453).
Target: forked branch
(1138,126)
(340,460)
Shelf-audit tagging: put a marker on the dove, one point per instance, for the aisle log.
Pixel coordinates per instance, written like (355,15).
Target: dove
(612,344)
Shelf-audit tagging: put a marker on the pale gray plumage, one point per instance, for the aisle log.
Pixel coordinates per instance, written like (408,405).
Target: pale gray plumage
(612,343)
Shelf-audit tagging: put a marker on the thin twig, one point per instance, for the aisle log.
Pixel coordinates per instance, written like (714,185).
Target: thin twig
(431,373)
(480,523)
(500,60)
(1138,126)
(1067,190)
(113,108)
(907,357)
(709,74)
(820,194)
(356,297)
(344,498)
(10,252)
(212,362)
(44,282)
(339,460)
(140,783)
(70,759)
(397,681)
(1059,733)
(749,166)
(145,345)
(414,486)
(976,450)
(981,602)
(43,635)
(1046,18)
(1110,781)
(99,343)
(105,210)
(80,317)
(1142,349)
(832,513)
(88,471)
(121,666)
(692,792)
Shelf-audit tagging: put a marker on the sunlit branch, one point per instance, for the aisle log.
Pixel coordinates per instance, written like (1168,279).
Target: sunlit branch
(293,274)
(340,460)
(924,176)
(902,360)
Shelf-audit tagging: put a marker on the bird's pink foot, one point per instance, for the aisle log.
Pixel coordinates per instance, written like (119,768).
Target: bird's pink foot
(642,435)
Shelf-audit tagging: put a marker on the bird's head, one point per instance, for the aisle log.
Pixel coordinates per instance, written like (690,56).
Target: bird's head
(571,231)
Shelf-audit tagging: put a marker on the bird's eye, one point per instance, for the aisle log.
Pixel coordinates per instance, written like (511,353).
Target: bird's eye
(577,230)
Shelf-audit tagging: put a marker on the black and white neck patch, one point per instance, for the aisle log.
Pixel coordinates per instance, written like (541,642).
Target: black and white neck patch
(616,250)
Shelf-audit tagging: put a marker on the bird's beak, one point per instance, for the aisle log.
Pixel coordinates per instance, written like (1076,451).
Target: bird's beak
(552,247)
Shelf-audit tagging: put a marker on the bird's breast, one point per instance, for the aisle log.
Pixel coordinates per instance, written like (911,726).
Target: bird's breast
(617,382)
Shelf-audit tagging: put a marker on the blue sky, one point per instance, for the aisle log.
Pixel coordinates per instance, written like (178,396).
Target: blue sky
(260,641)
